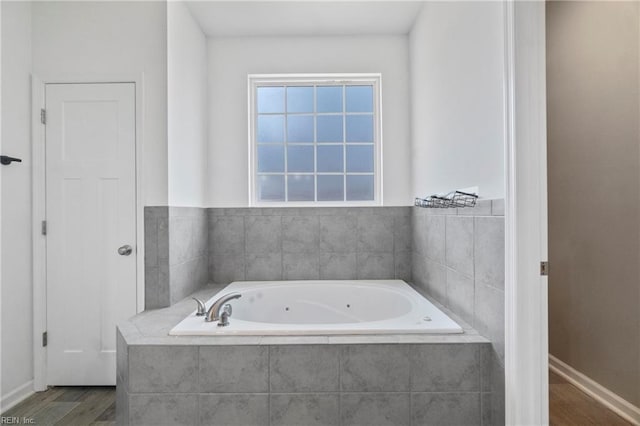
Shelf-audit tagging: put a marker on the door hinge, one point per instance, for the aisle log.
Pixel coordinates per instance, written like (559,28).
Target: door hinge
(43,116)
(44,339)
(544,268)
(43,227)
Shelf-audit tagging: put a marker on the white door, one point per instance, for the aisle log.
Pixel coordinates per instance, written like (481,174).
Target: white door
(91,223)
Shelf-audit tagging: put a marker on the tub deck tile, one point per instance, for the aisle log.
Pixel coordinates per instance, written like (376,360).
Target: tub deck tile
(233,409)
(304,409)
(380,409)
(446,409)
(163,409)
(154,369)
(226,369)
(443,368)
(309,368)
(375,368)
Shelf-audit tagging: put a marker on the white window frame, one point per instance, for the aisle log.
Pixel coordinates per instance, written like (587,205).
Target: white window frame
(374,79)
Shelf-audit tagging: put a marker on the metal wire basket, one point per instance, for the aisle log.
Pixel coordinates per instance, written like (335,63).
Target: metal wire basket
(451,200)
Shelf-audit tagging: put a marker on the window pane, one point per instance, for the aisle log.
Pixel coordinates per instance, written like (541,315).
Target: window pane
(359,188)
(330,128)
(330,188)
(329,98)
(270,99)
(300,128)
(271,128)
(359,128)
(330,159)
(300,188)
(270,158)
(359,98)
(271,188)
(300,159)
(360,158)
(300,99)
(315,141)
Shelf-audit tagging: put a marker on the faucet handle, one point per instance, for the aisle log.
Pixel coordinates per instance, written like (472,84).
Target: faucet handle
(202,308)
(227,309)
(224,316)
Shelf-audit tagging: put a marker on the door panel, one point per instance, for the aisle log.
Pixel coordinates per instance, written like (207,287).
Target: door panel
(90,202)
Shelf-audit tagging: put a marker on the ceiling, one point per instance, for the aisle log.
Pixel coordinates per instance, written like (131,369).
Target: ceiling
(304,18)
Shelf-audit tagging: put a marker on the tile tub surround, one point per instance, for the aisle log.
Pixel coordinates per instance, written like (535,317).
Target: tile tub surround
(458,259)
(295,380)
(186,248)
(263,244)
(176,250)
(455,256)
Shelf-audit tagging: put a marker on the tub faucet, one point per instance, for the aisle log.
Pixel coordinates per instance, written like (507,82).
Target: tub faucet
(220,311)
(202,308)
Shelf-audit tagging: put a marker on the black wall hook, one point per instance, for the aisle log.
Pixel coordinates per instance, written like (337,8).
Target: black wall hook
(5,159)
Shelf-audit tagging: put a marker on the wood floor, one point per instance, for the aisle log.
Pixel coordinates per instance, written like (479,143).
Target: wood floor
(569,406)
(73,406)
(83,406)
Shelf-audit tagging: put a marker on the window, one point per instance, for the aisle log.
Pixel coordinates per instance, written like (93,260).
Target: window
(315,140)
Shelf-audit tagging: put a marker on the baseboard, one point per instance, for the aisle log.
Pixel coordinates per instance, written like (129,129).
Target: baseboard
(16,396)
(615,403)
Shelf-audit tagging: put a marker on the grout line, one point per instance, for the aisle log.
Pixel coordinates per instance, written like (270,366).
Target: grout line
(446,262)
(199,387)
(346,393)
(244,248)
(340,347)
(492,287)
(473,259)
(412,364)
(410,407)
(269,388)
(402,392)
(282,277)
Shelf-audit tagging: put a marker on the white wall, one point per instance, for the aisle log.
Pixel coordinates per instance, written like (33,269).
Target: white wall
(187,106)
(17,352)
(457,77)
(54,40)
(231,59)
(112,39)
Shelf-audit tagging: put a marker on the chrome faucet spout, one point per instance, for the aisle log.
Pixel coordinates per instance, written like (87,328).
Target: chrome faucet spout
(219,310)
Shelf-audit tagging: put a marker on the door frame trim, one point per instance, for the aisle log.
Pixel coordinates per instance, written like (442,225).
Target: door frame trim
(38,175)
(526,323)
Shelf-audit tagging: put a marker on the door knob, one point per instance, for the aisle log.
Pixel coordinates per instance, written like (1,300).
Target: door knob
(125,250)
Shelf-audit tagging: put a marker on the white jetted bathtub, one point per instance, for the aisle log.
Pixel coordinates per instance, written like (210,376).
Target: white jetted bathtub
(322,307)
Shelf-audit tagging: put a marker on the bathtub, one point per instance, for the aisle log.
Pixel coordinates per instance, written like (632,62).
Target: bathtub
(322,308)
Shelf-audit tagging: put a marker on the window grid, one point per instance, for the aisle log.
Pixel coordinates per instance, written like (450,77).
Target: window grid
(344,140)
(315,144)
(286,147)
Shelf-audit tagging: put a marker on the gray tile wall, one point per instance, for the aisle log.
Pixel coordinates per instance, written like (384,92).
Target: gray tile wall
(188,251)
(456,256)
(185,248)
(309,243)
(372,384)
(176,251)
(458,259)
(156,257)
